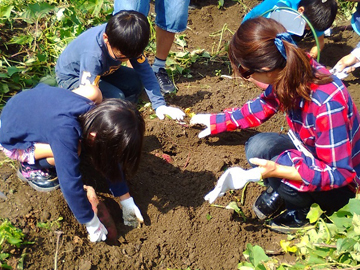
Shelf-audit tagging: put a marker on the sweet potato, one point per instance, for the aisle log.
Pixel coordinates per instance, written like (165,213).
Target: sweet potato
(103,214)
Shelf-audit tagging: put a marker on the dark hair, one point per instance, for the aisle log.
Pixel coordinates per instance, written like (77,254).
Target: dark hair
(253,47)
(129,32)
(320,13)
(119,129)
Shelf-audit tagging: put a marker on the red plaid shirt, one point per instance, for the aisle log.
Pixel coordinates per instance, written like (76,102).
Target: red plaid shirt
(328,126)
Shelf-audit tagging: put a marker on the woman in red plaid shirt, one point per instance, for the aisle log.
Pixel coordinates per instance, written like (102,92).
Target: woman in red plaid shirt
(319,160)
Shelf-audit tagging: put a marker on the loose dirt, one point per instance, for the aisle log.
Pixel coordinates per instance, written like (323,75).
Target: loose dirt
(181,230)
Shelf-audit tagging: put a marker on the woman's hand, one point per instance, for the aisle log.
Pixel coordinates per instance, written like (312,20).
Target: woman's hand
(267,167)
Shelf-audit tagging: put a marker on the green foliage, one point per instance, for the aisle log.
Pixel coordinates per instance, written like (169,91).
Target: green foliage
(48,225)
(10,237)
(346,9)
(334,242)
(35,32)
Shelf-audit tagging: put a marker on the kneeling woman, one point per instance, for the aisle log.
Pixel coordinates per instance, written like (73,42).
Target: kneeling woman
(320,161)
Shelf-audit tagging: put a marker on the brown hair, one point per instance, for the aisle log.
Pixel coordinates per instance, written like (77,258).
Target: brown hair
(253,47)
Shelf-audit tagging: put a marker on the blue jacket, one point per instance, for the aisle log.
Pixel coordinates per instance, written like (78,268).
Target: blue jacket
(49,115)
(86,59)
(267,5)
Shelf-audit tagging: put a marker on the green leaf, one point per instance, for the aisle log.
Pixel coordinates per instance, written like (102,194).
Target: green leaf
(345,245)
(12,70)
(5,11)
(314,259)
(353,206)
(22,40)
(314,213)
(49,80)
(256,254)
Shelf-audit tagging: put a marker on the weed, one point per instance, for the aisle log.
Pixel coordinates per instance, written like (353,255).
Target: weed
(48,225)
(10,237)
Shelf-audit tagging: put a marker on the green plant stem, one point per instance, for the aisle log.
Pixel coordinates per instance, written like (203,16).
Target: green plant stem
(243,194)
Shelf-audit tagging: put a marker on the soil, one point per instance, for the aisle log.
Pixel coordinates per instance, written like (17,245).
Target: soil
(180,230)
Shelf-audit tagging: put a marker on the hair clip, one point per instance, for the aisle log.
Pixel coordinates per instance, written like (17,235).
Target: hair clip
(323,1)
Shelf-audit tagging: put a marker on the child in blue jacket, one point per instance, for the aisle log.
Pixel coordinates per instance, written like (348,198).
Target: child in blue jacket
(96,56)
(50,132)
(320,13)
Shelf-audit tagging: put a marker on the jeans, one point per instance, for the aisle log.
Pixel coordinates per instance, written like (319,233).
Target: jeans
(124,83)
(269,146)
(171,15)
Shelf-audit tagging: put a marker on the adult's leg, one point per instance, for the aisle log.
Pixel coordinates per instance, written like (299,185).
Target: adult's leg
(267,146)
(141,6)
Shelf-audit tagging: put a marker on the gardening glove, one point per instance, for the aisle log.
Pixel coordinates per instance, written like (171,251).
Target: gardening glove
(131,213)
(174,113)
(341,71)
(202,119)
(233,178)
(97,231)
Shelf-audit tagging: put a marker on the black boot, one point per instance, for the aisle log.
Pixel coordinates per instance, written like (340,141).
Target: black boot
(267,204)
(290,221)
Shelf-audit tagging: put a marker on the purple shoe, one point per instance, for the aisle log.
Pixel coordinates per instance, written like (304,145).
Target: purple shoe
(40,180)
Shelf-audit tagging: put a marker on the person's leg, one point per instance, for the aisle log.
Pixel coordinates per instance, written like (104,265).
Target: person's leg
(124,83)
(171,18)
(43,151)
(298,205)
(141,6)
(35,168)
(267,146)
(332,200)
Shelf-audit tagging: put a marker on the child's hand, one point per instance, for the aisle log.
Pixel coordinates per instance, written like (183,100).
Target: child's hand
(131,213)
(97,231)
(174,113)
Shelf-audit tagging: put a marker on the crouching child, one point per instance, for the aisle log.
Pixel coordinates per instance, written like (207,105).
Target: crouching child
(48,134)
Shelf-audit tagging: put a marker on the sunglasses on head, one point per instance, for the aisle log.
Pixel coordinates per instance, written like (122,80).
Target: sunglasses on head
(245,73)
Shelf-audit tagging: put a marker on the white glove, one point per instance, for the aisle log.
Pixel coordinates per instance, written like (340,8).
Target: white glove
(131,213)
(345,72)
(202,119)
(174,113)
(233,178)
(96,230)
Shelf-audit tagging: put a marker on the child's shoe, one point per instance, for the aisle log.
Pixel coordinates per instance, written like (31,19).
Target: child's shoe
(290,221)
(267,204)
(40,180)
(166,85)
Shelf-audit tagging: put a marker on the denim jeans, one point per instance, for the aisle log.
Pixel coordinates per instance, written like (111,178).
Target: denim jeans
(269,146)
(124,83)
(171,15)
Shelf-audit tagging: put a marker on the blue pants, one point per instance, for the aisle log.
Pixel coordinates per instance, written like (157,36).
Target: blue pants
(124,83)
(171,15)
(269,146)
